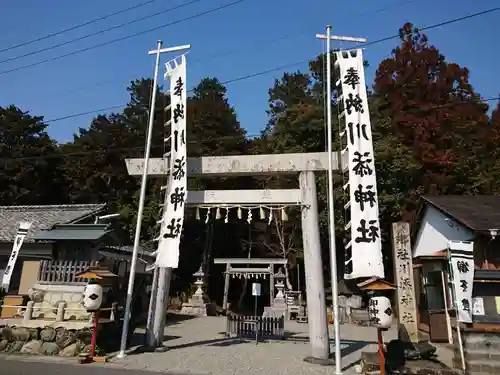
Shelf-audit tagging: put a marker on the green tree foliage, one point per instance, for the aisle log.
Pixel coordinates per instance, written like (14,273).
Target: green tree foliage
(24,178)
(430,130)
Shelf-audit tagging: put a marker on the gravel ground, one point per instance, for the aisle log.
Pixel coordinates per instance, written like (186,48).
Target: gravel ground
(197,346)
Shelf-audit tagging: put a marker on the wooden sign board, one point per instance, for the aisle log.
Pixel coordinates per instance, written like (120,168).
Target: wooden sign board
(403,273)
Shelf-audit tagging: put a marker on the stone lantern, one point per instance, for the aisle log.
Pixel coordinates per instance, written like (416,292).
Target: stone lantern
(199,304)
(198,294)
(279,278)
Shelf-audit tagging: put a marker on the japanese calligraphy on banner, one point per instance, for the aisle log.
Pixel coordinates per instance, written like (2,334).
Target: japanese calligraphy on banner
(461,258)
(403,271)
(22,231)
(364,250)
(173,212)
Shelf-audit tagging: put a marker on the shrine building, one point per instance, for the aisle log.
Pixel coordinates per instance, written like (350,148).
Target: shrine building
(440,219)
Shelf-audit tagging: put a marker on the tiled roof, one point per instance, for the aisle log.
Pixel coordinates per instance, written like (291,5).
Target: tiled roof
(477,212)
(42,217)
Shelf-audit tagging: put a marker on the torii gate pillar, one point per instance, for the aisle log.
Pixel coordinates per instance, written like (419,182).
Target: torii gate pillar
(304,164)
(316,304)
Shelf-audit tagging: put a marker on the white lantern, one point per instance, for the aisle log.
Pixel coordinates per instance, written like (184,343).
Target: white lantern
(380,312)
(92,297)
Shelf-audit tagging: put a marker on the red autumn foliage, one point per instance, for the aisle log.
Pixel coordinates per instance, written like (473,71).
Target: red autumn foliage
(435,112)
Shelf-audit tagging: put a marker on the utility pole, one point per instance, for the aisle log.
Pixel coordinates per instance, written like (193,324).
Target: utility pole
(142,196)
(331,214)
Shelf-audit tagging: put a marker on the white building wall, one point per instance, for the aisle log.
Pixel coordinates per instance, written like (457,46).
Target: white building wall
(436,229)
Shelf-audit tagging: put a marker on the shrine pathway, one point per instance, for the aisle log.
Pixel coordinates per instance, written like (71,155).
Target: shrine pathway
(198,347)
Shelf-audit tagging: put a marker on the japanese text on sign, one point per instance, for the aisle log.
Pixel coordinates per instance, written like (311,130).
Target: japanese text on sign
(173,213)
(461,258)
(403,271)
(364,250)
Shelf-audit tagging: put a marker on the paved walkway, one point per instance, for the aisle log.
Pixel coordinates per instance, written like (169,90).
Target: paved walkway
(14,365)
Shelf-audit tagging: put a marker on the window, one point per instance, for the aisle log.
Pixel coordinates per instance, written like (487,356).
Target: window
(433,287)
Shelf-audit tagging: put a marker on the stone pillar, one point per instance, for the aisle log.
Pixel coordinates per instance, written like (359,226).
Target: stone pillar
(164,275)
(315,289)
(227,279)
(28,313)
(403,272)
(61,306)
(150,337)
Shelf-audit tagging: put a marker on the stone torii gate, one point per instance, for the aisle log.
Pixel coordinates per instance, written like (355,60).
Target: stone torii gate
(230,270)
(303,164)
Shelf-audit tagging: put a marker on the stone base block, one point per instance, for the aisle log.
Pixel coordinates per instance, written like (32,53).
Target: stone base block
(481,351)
(478,366)
(206,309)
(370,363)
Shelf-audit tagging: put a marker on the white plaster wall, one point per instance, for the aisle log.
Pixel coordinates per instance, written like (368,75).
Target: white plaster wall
(436,229)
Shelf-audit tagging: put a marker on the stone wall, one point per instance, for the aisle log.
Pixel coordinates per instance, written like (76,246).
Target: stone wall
(54,341)
(481,349)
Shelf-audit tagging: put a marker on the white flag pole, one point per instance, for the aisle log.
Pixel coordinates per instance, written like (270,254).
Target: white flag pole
(331,210)
(142,196)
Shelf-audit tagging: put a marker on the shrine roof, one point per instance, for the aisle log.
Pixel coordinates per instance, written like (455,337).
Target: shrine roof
(42,217)
(477,212)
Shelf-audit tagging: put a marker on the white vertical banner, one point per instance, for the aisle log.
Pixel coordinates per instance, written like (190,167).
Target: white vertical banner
(173,213)
(461,258)
(22,231)
(364,250)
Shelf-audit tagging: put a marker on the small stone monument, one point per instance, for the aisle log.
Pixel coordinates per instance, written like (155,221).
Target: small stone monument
(199,304)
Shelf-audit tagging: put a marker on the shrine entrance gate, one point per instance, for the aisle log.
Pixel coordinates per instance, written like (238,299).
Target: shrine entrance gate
(303,164)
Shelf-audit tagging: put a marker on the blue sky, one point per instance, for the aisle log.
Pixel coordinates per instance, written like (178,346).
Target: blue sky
(233,42)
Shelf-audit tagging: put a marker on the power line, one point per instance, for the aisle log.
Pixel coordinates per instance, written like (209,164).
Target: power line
(131,22)
(445,23)
(59,57)
(100,32)
(247,136)
(238,50)
(78,26)
(241,78)
(290,65)
(115,149)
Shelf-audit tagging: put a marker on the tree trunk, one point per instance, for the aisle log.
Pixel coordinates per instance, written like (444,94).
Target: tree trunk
(243,294)
(245,282)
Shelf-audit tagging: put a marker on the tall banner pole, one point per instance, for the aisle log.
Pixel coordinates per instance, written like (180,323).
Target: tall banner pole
(142,196)
(331,204)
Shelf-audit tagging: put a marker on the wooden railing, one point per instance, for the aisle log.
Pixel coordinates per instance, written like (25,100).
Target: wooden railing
(248,326)
(63,271)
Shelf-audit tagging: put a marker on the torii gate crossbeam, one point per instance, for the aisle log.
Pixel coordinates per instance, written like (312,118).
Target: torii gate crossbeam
(305,164)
